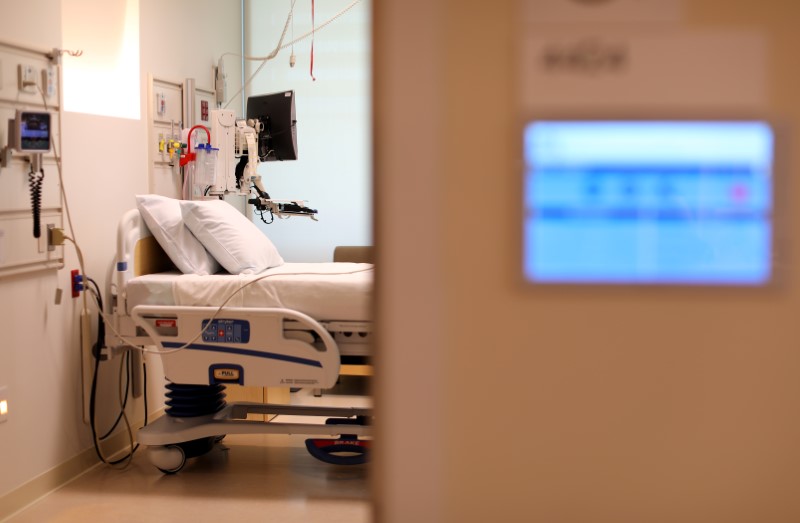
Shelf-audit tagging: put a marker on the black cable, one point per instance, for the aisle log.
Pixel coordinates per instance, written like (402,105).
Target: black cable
(92,403)
(99,296)
(127,384)
(136,447)
(101,324)
(35,184)
(271,217)
(238,171)
(262,194)
(96,354)
(125,401)
(93,395)
(144,390)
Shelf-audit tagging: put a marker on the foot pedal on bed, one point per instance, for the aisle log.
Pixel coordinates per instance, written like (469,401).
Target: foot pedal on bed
(347,449)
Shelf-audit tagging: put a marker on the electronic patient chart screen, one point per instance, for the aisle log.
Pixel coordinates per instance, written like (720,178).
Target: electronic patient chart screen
(648,202)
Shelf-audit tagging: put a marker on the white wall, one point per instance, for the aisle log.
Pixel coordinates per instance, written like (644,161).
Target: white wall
(35,361)
(333,171)
(104,161)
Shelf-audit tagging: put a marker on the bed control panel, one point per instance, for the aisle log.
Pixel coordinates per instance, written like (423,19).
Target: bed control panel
(226,331)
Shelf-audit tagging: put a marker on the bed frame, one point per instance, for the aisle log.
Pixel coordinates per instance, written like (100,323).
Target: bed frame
(265,347)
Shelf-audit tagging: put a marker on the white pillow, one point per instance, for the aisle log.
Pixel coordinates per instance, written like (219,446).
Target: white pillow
(162,216)
(236,243)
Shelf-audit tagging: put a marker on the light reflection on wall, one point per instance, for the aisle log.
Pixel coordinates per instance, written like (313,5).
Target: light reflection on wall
(105,79)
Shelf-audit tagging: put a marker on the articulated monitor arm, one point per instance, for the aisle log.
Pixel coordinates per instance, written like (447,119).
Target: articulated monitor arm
(246,147)
(247,134)
(280,208)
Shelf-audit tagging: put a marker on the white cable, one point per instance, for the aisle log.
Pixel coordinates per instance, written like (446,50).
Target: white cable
(58,166)
(270,56)
(291,57)
(299,38)
(280,47)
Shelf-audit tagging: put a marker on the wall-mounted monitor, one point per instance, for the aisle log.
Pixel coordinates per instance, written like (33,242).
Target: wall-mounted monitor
(31,131)
(661,202)
(276,111)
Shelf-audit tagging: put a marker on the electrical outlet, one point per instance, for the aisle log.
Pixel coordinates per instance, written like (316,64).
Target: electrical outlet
(27,78)
(76,282)
(50,245)
(3,404)
(44,239)
(161,103)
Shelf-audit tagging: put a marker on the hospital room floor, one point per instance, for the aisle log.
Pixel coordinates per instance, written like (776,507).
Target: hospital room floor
(245,478)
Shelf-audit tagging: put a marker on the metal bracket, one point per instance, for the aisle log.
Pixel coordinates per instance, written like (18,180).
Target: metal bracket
(5,156)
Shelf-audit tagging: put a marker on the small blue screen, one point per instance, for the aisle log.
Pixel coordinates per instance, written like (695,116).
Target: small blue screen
(648,202)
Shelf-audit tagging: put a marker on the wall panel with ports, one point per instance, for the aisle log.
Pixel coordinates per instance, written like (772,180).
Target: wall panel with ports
(168,103)
(30,199)
(165,118)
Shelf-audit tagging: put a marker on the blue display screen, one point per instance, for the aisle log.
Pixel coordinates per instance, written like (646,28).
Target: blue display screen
(648,202)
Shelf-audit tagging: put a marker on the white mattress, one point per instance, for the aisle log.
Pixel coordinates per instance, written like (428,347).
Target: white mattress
(324,291)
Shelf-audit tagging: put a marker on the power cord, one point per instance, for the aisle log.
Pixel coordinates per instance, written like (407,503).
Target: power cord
(125,364)
(36,184)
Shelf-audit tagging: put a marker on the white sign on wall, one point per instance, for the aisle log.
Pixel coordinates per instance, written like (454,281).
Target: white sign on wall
(576,69)
(634,54)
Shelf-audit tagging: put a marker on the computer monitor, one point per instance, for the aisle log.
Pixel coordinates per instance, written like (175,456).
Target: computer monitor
(31,131)
(276,111)
(686,202)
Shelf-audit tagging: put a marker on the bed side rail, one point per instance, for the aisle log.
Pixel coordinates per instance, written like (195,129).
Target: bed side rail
(248,346)
(130,230)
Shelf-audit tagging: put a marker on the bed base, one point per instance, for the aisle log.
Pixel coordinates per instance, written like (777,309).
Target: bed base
(172,440)
(203,349)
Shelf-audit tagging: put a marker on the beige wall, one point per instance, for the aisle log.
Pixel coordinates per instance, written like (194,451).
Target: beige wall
(409,384)
(617,405)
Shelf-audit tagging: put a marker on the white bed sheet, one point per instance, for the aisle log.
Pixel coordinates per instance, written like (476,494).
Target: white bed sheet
(324,291)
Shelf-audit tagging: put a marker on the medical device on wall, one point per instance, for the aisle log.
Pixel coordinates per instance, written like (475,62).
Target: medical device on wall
(30,133)
(29,147)
(277,140)
(660,202)
(269,133)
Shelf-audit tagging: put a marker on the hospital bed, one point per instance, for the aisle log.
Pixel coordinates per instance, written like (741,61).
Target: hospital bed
(288,326)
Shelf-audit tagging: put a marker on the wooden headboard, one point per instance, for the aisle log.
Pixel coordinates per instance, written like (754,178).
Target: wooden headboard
(138,252)
(149,257)
(354,254)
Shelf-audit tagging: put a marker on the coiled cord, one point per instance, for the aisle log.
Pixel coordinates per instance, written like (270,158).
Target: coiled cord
(35,183)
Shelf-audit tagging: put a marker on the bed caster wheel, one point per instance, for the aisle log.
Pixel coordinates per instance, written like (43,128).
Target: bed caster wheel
(169,459)
(346,450)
